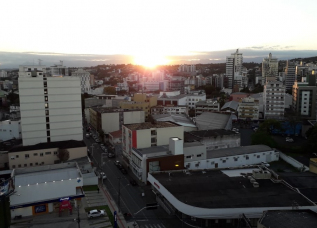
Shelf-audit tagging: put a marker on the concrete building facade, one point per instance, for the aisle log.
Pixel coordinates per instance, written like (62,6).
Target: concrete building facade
(273,99)
(269,67)
(248,108)
(84,78)
(207,106)
(10,129)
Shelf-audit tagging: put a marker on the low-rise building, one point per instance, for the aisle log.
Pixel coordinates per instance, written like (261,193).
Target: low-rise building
(169,109)
(214,121)
(111,119)
(40,190)
(180,119)
(10,129)
(172,100)
(248,109)
(44,153)
(214,139)
(115,137)
(230,106)
(207,106)
(238,96)
(194,97)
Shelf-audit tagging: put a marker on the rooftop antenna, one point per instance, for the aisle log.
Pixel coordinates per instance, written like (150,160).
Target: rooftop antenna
(40,61)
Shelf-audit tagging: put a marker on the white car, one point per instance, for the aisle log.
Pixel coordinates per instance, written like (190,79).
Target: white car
(288,139)
(96,213)
(102,175)
(265,164)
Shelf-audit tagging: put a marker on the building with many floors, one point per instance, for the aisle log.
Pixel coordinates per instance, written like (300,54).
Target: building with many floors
(169,109)
(305,99)
(290,74)
(187,68)
(195,96)
(248,109)
(84,78)
(273,99)
(50,107)
(112,119)
(269,67)
(233,66)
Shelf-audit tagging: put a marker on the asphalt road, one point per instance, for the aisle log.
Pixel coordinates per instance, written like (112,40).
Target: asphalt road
(131,198)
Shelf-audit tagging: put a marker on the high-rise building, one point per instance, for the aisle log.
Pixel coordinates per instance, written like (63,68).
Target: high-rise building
(58,70)
(305,98)
(269,68)
(273,99)
(187,68)
(233,66)
(50,107)
(290,74)
(84,78)
(248,108)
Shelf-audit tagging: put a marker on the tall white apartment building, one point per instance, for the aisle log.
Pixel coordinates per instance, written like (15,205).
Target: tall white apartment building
(233,67)
(3,74)
(50,107)
(269,68)
(290,74)
(84,78)
(273,99)
(187,68)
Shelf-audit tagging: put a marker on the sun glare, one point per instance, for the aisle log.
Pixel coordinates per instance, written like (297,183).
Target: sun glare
(150,61)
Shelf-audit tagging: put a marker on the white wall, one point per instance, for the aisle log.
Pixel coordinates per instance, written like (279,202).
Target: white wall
(133,117)
(10,129)
(110,122)
(144,138)
(230,161)
(164,134)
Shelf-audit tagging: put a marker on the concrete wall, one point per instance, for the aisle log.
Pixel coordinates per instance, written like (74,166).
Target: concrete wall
(133,117)
(190,153)
(110,122)
(220,142)
(90,180)
(164,134)
(232,161)
(48,159)
(10,129)
(144,138)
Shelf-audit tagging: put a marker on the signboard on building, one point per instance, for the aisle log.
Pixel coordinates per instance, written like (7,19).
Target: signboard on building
(40,208)
(6,186)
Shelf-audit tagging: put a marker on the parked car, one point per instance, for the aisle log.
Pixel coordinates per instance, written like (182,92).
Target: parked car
(110,155)
(288,139)
(97,141)
(87,135)
(117,163)
(124,171)
(133,183)
(265,164)
(96,213)
(102,176)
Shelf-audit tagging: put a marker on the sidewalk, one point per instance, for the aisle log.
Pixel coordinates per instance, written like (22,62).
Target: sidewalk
(122,223)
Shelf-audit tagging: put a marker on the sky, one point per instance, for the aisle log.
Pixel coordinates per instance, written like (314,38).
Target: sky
(149,31)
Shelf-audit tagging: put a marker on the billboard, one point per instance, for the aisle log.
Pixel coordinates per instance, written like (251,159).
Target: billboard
(6,186)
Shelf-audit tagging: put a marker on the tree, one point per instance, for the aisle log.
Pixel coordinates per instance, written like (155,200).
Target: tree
(13,97)
(110,90)
(245,90)
(222,100)
(312,138)
(269,125)
(261,137)
(63,155)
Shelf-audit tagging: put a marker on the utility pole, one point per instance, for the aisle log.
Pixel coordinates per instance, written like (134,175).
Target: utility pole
(119,195)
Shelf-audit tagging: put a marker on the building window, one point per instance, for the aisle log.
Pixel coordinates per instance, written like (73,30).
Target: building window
(13,166)
(189,156)
(247,157)
(46,105)
(42,163)
(47,119)
(17,156)
(55,152)
(235,159)
(258,156)
(31,164)
(41,154)
(223,161)
(19,166)
(46,98)
(25,165)
(36,163)
(47,153)
(26,155)
(198,155)
(35,154)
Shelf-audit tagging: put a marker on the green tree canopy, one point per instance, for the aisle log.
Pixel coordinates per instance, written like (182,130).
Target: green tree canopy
(63,155)
(264,138)
(270,124)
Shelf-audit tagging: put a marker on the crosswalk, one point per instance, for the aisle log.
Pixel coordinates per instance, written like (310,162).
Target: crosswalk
(154,225)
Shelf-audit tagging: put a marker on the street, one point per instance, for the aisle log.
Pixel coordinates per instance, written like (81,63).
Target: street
(131,196)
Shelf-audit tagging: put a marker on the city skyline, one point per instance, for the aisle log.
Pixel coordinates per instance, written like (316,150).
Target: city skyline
(157,32)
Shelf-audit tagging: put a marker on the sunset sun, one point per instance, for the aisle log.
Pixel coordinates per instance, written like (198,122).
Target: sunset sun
(150,61)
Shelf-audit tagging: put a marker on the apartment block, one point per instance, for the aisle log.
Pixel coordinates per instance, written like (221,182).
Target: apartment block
(269,67)
(248,108)
(207,106)
(273,99)
(290,74)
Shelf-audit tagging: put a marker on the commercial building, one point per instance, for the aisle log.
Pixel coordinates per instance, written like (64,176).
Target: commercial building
(233,66)
(161,85)
(50,107)
(180,99)
(84,78)
(230,106)
(290,74)
(44,153)
(248,109)
(207,106)
(230,157)
(218,198)
(180,119)
(40,190)
(58,70)
(10,129)
(144,135)
(140,101)
(187,68)
(169,109)
(305,99)
(273,99)
(195,96)
(112,119)
(288,218)
(269,67)
(177,85)
(214,139)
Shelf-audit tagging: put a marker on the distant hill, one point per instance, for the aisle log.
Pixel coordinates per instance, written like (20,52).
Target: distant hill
(307,60)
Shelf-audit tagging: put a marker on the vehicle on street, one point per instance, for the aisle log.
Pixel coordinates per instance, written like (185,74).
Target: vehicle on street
(133,183)
(124,171)
(265,164)
(102,176)
(110,155)
(87,136)
(255,129)
(288,139)
(97,141)
(96,213)
(117,163)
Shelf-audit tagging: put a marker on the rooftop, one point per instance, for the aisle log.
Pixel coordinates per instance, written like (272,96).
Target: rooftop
(237,151)
(212,120)
(180,119)
(231,104)
(61,145)
(48,173)
(289,219)
(152,150)
(149,125)
(215,189)
(199,135)
(165,97)
(111,109)
(116,134)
